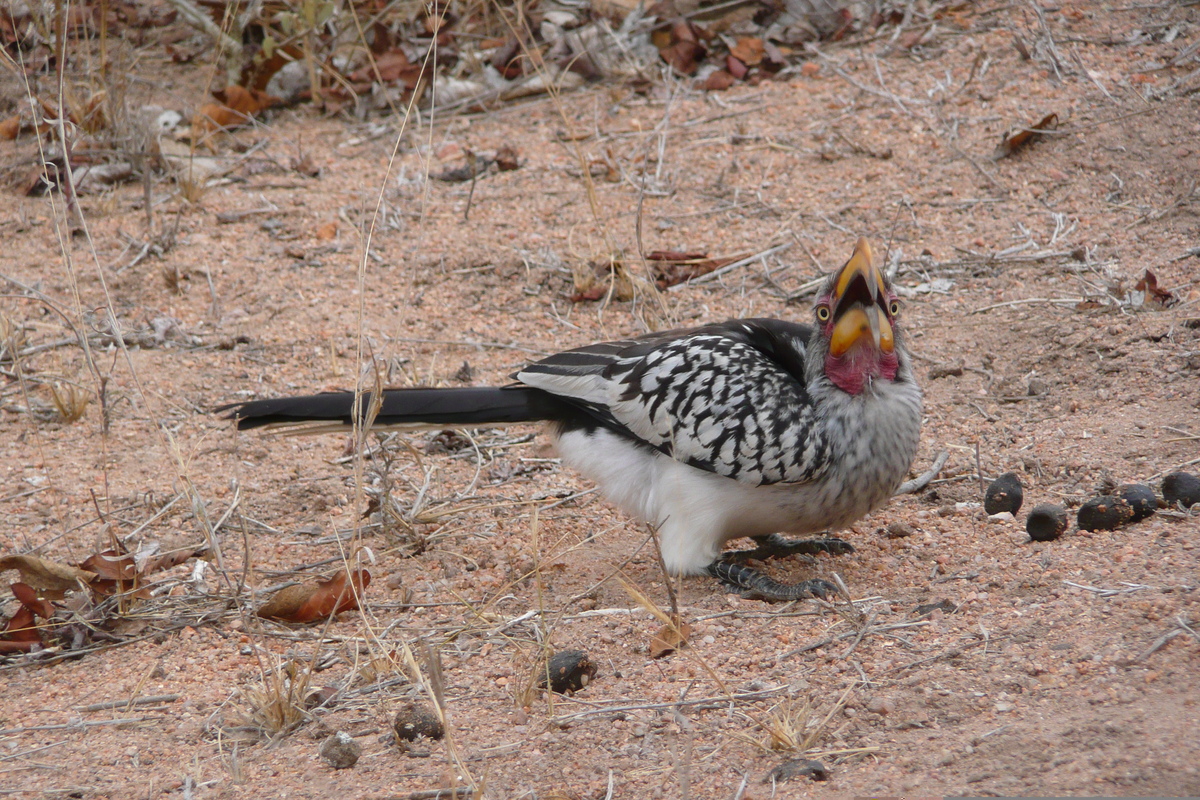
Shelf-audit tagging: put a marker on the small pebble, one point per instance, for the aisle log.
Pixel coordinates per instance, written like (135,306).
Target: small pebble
(1002,517)
(899,530)
(1004,494)
(340,750)
(1046,523)
(1140,498)
(1181,487)
(1104,513)
(567,672)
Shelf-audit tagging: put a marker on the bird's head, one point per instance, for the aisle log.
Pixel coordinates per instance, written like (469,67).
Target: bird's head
(856,317)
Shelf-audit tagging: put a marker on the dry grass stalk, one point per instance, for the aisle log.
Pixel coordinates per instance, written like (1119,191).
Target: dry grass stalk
(70,400)
(277,702)
(794,726)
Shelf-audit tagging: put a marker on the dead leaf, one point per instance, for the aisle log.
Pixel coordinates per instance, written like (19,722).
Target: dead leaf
(681,46)
(111,565)
(749,50)
(236,106)
(390,67)
(670,638)
(21,633)
(116,573)
(309,602)
(172,559)
(10,127)
(47,576)
(1013,142)
(246,101)
(671,268)
(1148,283)
(719,81)
(736,68)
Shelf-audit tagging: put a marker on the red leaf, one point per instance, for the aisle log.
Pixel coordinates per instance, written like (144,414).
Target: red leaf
(1015,141)
(1148,283)
(313,601)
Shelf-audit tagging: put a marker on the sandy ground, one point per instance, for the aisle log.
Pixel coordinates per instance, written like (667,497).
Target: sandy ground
(1058,668)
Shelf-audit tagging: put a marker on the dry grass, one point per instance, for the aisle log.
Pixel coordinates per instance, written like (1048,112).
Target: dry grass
(276,703)
(70,400)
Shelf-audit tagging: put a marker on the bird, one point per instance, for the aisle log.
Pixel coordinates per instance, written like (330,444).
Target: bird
(759,428)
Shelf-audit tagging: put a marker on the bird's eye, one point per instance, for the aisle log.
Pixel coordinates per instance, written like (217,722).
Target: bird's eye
(823,313)
(894,308)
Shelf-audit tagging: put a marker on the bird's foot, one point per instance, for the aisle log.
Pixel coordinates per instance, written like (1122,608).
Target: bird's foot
(776,546)
(754,585)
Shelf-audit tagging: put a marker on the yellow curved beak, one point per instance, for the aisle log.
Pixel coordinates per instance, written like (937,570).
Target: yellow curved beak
(857,311)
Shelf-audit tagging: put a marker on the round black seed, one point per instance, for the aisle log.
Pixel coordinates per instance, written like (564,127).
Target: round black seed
(1181,487)
(1140,498)
(1104,513)
(1046,523)
(567,672)
(1004,494)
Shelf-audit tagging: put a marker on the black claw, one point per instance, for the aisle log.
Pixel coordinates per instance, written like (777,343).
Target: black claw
(752,584)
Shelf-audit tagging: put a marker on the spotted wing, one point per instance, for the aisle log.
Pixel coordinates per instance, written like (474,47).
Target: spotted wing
(730,398)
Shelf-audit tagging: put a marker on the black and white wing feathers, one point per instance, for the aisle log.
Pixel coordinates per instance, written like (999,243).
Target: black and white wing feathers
(730,398)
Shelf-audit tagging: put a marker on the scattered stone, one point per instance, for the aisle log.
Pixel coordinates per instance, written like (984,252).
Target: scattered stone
(325,696)
(797,768)
(340,750)
(1046,523)
(1104,513)
(941,605)
(1003,516)
(1181,487)
(898,530)
(1005,494)
(1140,498)
(415,720)
(881,706)
(953,369)
(567,672)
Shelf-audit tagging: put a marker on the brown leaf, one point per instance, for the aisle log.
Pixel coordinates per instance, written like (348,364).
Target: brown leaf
(21,632)
(28,597)
(313,601)
(246,101)
(111,565)
(735,67)
(1013,142)
(684,56)
(749,50)
(10,127)
(719,81)
(671,268)
(670,638)
(47,576)
(172,559)
(392,66)
(236,107)
(116,574)
(1148,283)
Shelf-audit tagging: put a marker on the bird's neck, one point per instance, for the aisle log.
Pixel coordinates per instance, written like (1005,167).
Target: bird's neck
(854,371)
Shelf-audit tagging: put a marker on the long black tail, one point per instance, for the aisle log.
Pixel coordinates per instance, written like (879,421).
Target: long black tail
(452,408)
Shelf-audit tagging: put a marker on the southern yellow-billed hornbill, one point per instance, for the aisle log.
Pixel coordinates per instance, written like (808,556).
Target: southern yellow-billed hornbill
(749,427)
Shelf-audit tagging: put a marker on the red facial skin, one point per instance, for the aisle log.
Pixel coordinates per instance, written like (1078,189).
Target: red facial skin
(854,370)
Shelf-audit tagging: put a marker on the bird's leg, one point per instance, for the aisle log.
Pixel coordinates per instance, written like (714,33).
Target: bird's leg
(776,546)
(754,585)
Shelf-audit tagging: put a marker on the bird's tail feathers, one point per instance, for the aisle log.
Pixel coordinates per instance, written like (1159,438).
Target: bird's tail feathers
(401,409)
